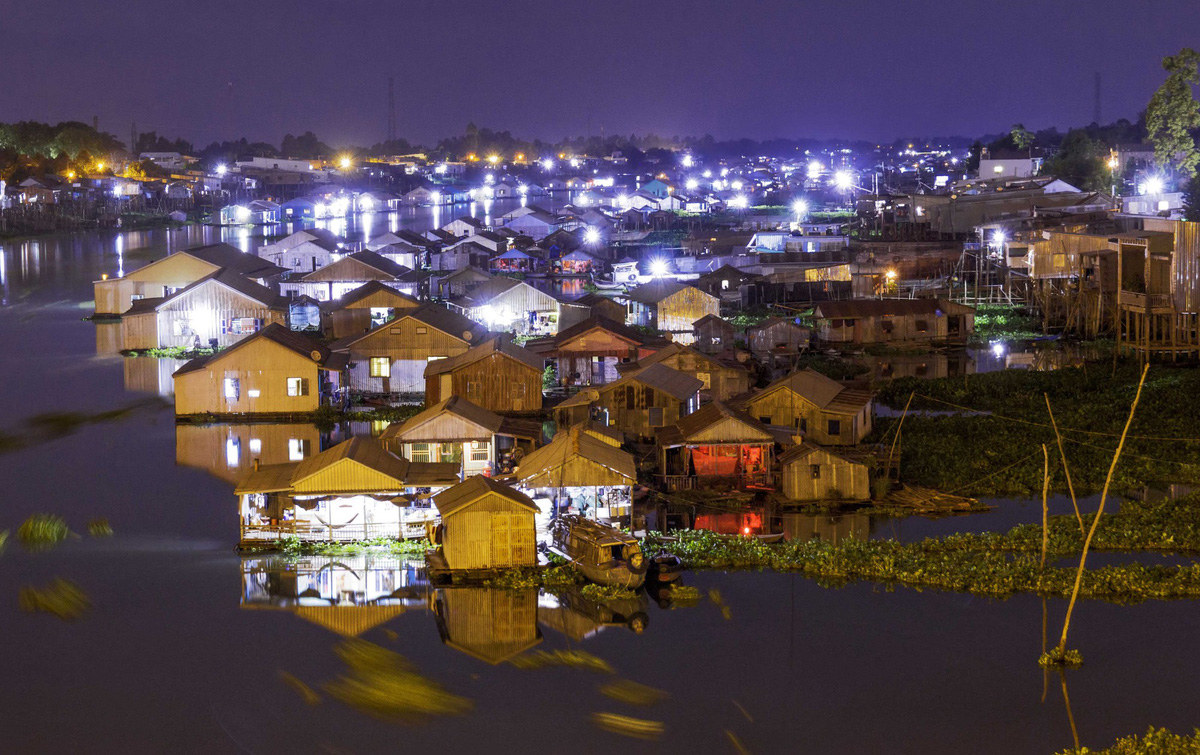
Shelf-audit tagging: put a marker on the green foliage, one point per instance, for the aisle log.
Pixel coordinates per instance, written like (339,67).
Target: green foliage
(1079,161)
(1066,659)
(385,685)
(294,547)
(1004,322)
(43,531)
(100,528)
(552,578)
(1156,741)
(61,598)
(550,377)
(601,593)
(1173,113)
(171,352)
(1022,138)
(632,693)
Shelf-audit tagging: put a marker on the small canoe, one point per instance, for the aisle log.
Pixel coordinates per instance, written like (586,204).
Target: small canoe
(665,567)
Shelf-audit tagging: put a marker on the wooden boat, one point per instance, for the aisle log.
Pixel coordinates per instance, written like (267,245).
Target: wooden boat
(605,555)
(665,567)
(773,537)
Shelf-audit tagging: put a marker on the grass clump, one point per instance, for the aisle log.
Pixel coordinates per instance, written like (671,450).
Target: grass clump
(100,527)
(601,593)
(1053,658)
(61,598)
(632,693)
(627,726)
(550,578)
(385,685)
(1157,741)
(43,531)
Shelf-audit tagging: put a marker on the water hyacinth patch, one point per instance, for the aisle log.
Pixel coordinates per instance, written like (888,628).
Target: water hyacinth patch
(42,531)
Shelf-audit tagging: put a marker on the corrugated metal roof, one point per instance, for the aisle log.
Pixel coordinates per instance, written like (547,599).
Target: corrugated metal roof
(268,478)
(363,451)
(577,442)
(365,290)
(663,378)
(655,291)
(374,261)
(289,339)
(410,430)
(810,384)
(472,489)
(433,315)
(497,345)
(228,256)
(714,413)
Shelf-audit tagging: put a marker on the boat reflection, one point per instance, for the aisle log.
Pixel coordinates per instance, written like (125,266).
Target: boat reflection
(571,614)
(228,451)
(348,595)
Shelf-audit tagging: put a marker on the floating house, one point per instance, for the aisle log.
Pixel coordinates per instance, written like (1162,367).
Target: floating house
(875,321)
(778,336)
(221,308)
(582,471)
(515,261)
(391,358)
(720,379)
(819,408)
(811,473)
(497,375)
(457,431)
(589,305)
(589,352)
(457,284)
(366,307)
(343,275)
(505,304)
(716,443)
(713,334)
(274,371)
(356,490)
(164,277)
(486,525)
(671,307)
(491,625)
(652,397)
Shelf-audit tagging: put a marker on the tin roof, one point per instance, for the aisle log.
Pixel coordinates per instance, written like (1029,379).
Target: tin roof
(496,345)
(472,489)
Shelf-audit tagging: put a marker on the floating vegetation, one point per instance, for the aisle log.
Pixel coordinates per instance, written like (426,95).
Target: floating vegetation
(42,531)
(1055,658)
(61,598)
(632,693)
(684,595)
(100,527)
(1157,741)
(955,564)
(578,659)
(172,352)
(307,693)
(384,684)
(601,593)
(549,578)
(627,726)
(294,547)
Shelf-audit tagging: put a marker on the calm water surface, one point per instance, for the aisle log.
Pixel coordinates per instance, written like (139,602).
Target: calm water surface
(184,645)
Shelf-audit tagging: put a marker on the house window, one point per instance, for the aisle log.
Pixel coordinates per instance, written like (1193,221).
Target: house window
(886,326)
(420,452)
(135,297)
(243,325)
(922,326)
(802,424)
(297,449)
(816,471)
(835,427)
(381,367)
(422,331)
(705,380)
(380,315)
(480,452)
(255,445)
(765,420)
(656,416)
(233,452)
(472,387)
(232,389)
(182,328)
(296,387)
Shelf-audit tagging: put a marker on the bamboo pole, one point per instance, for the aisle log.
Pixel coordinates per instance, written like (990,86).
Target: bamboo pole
(897,438)
(1066,471)
(1045,504)
(1062,676)
(1062,642)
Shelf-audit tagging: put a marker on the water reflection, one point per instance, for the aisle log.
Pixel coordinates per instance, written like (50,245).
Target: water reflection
(348,595)
(228,451)
(151,375)
(491,625)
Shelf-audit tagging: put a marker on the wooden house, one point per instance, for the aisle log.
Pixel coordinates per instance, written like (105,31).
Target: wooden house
(512,306)
(713,334)
(161,278)
(274,371)
(812,473)
(491,625)
(464,226)
(588,305)
(778,336)
(222,307)
(671,307)
(304,314)
(515,261)
(588,352)
(497,375)
(486,525)
(403,254)
(356,490)
(819,408)
(455,430)
(581,471)
(368,306)
(299,254)
(725,283)
(343,275)
(229,450)
(391,358)
(465,253)
(536,225)
(458,283)
(715,443)
(720,379)
(637,404)
(578,262)
(875,321)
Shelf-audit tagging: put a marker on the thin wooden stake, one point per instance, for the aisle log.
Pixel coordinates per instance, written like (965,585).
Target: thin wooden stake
(1066,471)
(1062,642)
(1045,505)
(897,438)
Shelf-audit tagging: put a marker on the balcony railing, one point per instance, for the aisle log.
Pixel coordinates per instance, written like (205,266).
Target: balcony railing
(1142,301)
(315,533)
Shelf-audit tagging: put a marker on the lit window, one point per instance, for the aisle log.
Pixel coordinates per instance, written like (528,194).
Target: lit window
(816,471)
(479,454)
(254,393)
(420,452)
(243,325)
(297,449)
(255,445)
(182,328)
(232,389)
(232,452)
(295,386)
(381,367)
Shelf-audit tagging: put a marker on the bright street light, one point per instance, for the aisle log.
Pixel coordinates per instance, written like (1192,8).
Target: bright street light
(688,161)
(999,237)
(221,169)
(547,164)
(739,202)
(658,268)
(800,207)
(843,180)
(1153,185)
(591,236)
(345,163)
(692,184)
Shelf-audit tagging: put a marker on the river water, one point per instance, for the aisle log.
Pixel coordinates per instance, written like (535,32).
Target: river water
(188,648)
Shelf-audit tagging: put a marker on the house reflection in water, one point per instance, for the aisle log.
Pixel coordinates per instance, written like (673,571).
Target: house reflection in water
(108,338)
(228,451)
(348,595)
(491,625)
(151,375)
(831,527)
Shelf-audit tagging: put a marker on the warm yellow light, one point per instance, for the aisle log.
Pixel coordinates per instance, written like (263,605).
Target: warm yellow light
(345,163)
(891,275)
(520,156)
(1112,163)
(472,157)
(71,174)
(99,166)
(493,159)
(103,276)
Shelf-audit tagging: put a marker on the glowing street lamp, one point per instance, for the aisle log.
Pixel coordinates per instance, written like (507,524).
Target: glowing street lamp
(688,161)
(737,185)
(1153,185)
(740,202)
(692,184)
(345,163)
(843,180)
(222,169)
(800,207)
(547,164)
(493,159)
(591,236)
(658,268)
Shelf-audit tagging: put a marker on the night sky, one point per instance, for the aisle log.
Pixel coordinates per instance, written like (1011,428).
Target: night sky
(550,68)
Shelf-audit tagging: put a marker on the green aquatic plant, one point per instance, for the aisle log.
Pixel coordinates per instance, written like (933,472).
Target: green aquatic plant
(294,547)
(684,595)
(41,531)
(600,593)
(99,527)
(577,659)
(632,693)
(61,598)
(1054,658)
(1156,741)
(628,726)
(548,578)
(386,685)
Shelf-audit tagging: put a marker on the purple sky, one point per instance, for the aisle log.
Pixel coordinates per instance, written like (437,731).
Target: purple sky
(548,68)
